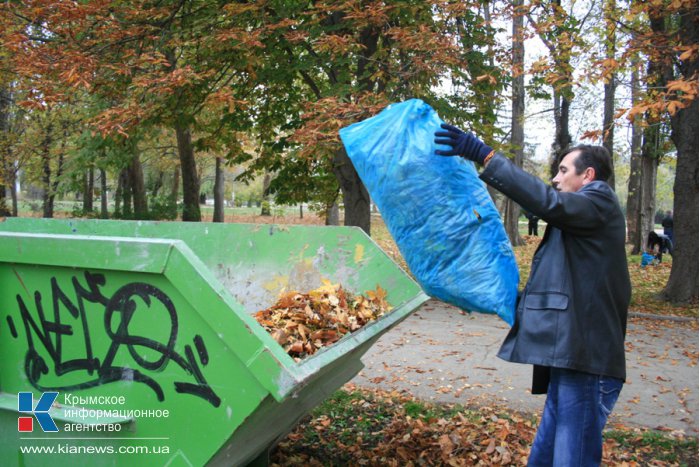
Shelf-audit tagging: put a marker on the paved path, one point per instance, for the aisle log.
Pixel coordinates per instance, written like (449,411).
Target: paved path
(440,354)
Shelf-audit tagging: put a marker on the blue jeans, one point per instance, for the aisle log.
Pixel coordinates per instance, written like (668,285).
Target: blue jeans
(577,408)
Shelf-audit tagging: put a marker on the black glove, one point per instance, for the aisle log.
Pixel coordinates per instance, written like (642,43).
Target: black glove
(462,144)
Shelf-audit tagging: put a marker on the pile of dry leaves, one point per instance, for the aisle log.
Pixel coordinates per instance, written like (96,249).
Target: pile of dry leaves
(362,426)
(303,323)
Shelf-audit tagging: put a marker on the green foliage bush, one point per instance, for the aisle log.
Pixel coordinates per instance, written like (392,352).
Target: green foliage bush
(162,207)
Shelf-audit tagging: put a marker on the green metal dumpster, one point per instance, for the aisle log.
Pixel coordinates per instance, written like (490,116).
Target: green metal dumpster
(144,331)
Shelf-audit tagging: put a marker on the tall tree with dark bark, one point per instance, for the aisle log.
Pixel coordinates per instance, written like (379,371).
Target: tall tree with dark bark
(679,73)
(610,15)
(670,42)
(634,186)
(219,189)
(5,103)
(517,133)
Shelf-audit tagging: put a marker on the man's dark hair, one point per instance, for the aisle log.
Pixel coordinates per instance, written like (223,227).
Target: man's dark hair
(591,156)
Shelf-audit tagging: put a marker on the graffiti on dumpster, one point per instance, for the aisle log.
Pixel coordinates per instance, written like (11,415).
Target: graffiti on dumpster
(119,310)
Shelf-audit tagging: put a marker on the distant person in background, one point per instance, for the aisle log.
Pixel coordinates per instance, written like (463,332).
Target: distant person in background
(532,221)
(658,244)
(667,224)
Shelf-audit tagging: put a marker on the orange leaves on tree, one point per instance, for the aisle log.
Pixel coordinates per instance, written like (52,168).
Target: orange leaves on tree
(490,78)
(119,120)
(296,37)
(688,53)
(374,13)
(225,99)
(678,95)
(240,37)
(324,117)
(75,78)
(593,135)
(438,48)
(604,69)
(620,112)
(540,65)
(335,44)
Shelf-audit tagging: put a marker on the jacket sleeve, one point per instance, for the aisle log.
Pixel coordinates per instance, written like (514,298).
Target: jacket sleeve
(582,212)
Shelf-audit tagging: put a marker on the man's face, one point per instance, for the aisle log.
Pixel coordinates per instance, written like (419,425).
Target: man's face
(567,180)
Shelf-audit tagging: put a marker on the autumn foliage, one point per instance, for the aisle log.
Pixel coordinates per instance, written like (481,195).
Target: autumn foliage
(303,323)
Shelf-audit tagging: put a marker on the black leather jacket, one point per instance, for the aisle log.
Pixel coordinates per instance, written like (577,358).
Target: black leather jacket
(573,311)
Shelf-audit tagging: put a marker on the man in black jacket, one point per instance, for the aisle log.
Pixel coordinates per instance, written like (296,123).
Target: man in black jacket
(667,224)
(532,221)
(571,317)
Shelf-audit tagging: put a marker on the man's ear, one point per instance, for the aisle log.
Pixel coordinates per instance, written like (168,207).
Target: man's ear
(588,175)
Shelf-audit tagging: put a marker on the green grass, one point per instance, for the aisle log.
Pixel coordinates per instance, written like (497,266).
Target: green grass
(653,445)
(344,419)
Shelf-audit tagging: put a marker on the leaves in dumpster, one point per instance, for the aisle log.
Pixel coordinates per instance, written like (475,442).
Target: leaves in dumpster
(304,323)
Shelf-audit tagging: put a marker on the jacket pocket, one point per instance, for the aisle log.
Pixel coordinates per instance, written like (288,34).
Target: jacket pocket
(537,334)
(546,301)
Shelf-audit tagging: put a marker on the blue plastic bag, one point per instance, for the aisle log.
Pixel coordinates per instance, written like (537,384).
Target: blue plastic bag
(436,208)
(648,259)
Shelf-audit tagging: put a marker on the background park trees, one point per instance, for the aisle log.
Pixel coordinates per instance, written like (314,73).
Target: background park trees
(152,101)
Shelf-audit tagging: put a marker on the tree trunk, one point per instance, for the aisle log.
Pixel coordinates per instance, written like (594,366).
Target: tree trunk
(651,155)
(333,214)
(118,196)
(562,137)
(138,188)
(682,284)
(647,192)
(634,234)
(5,100)
(355,195)
(52,186)
(609,127)
(609,87)
(219,189)
(48,197)
(190,180)
(10,176)
(265,211)
(13,194)
(517,135)
(157,184)
(88,189)
(127,191)
(175,189)
(4,211)
(104,212)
